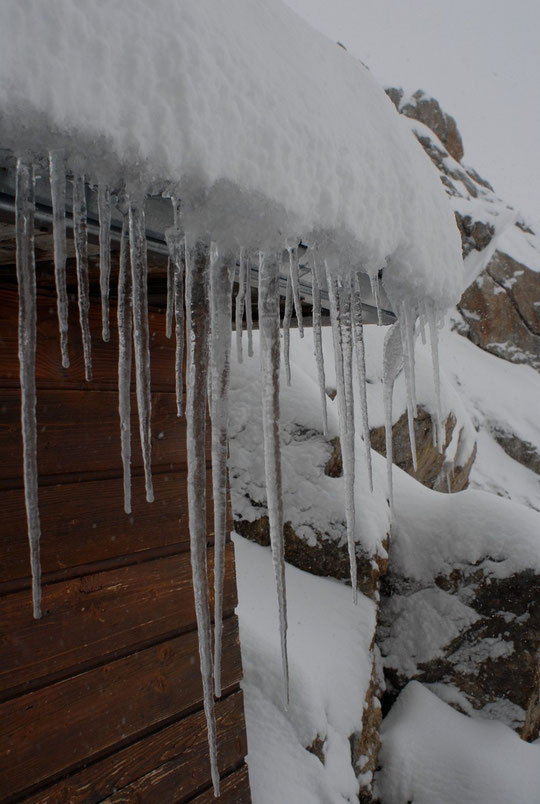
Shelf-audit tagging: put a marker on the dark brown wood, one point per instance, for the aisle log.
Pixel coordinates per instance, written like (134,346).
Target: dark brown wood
(163,767)
(85,522)
(79,432)
(49,371)
(234,790)
(89,619)
(53,730)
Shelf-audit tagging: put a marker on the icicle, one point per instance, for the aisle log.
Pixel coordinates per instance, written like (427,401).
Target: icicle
(269,339)
(26,278)
(240,301)
(409,318)
(408,365)
(293,272)
(434,340)
(57,175)
(287,313)
(81,254)
(124,315)
(358,333)
(221,281)
(141,335)
(317,344)
(197,367)
(170,299)
(249,311)
(176,244)
(374,280)
(341,325)
(104,211)
(422,326)
(392,362)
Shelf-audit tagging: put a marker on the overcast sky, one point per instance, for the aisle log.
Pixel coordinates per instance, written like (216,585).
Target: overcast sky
(479,58)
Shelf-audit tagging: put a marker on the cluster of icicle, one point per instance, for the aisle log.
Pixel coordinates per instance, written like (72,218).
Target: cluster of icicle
(200,278)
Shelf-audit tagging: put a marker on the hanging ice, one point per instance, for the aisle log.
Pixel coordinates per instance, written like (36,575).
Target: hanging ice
(104,212)
(358,334)
(317,343)
(124,316)
(249,311)
(240,301)
(294,272)
(221,280)
(287,314)
(141,335)
(375,292)
(81,254)
(408,363)
(26,278)
(392,363)
(434,340)
(169,315)
(341,332)
(57,177)
(176,244)
(270,348)
(197,367)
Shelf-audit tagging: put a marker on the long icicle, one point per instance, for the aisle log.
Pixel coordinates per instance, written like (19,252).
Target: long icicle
(57,177)
(270,349)
(317,344)
(249,311)
(104,212)
(287,314)
(339,330)
(176,244)
(409,382)
(358,335)
(124,317)
(221,280)
(434,341)
(374,281)
(141,335)
(80,229)
(392,362)
(169,315)
(26,278)
(197,368)
(240,301)
(294,274)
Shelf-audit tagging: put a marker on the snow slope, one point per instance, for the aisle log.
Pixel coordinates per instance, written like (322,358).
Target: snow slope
(266,130)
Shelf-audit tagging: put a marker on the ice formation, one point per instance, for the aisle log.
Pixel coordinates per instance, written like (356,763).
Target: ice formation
(325,161)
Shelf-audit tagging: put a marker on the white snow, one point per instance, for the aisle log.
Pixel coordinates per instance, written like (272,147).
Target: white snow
(330,668)
(267,129)
(431,753)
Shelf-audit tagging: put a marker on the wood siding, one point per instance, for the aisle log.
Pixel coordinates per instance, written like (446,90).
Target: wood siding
(101,699)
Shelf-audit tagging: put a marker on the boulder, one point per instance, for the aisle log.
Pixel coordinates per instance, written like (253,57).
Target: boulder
(427,110)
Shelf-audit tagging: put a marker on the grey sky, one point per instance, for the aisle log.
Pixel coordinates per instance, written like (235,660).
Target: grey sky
(479,58)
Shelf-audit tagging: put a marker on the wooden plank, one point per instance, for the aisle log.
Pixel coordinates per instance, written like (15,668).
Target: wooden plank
(164,767)
(55,730)
(85,522)
(91,619)
(79,432)
(49,371)
(234,789)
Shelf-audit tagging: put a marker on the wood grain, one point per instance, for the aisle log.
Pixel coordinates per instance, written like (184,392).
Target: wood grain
(50,732)
(234,789)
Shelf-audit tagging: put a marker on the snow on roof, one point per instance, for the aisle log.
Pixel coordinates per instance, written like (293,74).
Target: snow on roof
(268,130)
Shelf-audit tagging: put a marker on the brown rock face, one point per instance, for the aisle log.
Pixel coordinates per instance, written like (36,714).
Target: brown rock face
(502,313)
(493,663)
(429,460)
(428,111)
(475,235)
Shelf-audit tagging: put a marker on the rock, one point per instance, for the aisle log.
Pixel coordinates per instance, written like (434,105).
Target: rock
(430,461)
(365,746)
(475,234)
(327,558)
(428,111)
(500,311)
(522,451)
(477,644)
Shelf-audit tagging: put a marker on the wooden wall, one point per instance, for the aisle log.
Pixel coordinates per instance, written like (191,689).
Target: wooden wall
(101,699)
